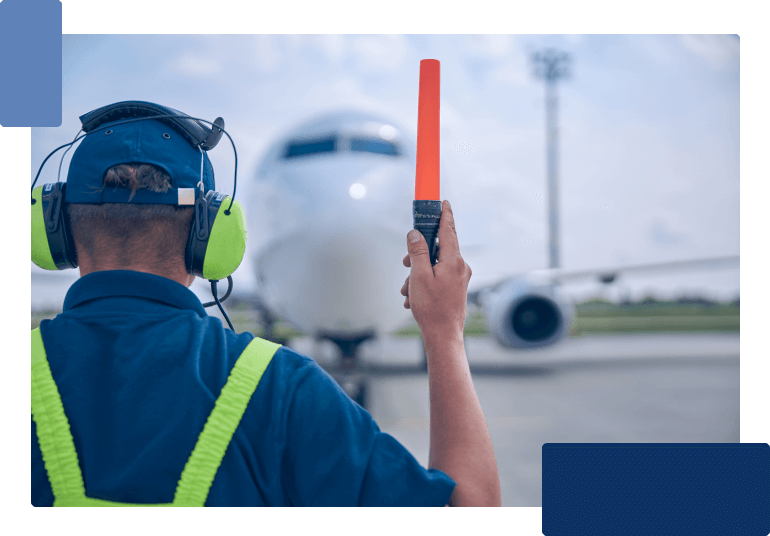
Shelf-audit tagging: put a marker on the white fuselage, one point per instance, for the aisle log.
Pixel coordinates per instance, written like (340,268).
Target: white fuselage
(328,218)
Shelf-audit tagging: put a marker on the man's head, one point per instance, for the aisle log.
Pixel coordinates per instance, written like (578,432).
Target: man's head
(125,236)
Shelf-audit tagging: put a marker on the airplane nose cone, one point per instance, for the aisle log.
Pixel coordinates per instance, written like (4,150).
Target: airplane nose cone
(337,277)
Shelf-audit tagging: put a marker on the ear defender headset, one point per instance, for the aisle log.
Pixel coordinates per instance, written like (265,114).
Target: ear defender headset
(135,132)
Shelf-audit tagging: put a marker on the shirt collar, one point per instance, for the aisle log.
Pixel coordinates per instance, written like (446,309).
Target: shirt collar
(127,283)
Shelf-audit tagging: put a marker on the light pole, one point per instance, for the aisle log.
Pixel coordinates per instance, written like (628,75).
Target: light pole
(552,65)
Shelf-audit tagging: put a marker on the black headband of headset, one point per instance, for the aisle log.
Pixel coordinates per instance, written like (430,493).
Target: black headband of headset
(194,132)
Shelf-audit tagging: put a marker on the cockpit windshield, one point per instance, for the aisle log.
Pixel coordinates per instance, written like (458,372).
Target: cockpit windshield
(302,148)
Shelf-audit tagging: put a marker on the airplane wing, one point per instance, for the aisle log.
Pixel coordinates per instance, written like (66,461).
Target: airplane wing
(607,274)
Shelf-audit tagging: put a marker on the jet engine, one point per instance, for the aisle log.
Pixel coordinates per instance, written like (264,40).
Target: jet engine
(524,313)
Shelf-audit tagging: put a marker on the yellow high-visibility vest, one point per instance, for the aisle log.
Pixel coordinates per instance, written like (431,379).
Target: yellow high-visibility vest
(58,447)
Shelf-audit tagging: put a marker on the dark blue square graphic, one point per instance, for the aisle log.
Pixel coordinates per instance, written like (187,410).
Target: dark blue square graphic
(641,489)
(30,63)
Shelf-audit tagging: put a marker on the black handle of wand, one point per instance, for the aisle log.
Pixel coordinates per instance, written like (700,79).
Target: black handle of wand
(427,217)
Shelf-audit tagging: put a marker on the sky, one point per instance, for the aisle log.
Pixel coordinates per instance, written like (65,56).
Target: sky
(648,131)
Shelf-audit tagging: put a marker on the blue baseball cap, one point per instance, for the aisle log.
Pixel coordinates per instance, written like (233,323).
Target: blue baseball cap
(140,142)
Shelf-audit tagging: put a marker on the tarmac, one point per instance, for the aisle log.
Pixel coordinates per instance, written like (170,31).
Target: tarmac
(590,389)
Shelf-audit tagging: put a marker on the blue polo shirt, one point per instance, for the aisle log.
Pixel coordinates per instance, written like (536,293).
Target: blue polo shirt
(139,364)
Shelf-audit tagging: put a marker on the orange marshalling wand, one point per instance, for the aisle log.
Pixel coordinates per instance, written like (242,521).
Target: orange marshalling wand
(426,208)
(428,107)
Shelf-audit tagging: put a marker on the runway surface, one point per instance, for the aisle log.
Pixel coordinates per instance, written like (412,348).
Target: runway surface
(619,388)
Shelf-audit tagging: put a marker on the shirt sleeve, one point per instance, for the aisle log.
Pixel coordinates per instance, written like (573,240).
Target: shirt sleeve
(336,455)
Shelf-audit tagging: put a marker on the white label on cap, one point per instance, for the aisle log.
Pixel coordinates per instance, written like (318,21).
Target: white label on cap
(186,196)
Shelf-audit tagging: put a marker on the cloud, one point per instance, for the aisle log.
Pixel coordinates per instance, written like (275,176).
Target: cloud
(379,52)
(195,66)
(717,50)
(572,40)
(513,73)
(265,52)
(491,45)
(332,45)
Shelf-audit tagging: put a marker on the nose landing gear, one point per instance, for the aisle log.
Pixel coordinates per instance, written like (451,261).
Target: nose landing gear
(349,375)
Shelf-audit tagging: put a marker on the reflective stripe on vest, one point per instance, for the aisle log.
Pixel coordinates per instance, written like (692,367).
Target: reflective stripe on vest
(58,447)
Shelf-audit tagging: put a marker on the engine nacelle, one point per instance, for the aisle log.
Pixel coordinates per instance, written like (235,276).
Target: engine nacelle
(525,313)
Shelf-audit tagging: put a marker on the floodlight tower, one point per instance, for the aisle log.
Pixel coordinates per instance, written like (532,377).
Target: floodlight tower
(552,65)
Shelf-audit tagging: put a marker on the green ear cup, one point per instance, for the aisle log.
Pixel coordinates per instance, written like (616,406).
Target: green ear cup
(227,242)
(41,252)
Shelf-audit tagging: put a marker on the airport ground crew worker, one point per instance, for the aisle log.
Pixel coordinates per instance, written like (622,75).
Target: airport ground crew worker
(141,399)
(139,368)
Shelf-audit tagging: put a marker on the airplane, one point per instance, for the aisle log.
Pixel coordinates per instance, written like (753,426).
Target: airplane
(328,212)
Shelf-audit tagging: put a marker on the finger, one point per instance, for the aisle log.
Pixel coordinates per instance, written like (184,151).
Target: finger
(406,261)
(419,259)
(406,303)
(405,288)
(447,235)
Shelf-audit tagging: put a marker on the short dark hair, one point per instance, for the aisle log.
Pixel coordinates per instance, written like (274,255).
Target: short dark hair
(156,234)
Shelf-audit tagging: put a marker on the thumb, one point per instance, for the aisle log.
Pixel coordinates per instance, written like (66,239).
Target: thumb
(418,252)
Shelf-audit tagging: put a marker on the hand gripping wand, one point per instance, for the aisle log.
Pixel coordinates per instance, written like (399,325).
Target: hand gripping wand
(426,207)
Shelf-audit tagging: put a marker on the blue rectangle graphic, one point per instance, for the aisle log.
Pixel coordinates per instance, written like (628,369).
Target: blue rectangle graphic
(30,63)
(656,489)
